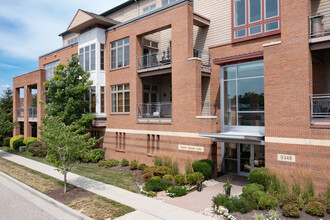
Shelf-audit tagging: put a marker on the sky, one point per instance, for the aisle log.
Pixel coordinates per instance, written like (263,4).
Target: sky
(30,28)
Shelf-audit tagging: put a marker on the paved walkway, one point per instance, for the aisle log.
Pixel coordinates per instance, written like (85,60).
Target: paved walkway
(147,208)
(196,201)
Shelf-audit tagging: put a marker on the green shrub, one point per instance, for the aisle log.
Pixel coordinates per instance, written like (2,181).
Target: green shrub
(155,185)
(158,171)
(108,163)
(168,178)
(267,202)
(142,166)
(167,162)
(204,168)
(308,190)
(176,191)
(147,176)
(315,209)
(315,199)
(241,206)
(220,199)
(260,176)
(156,179)
(151,194)
(188,167)
(124,162)
(293,200)
(249,189)
(27,140)
(289,210)
(133,165)
(18,137)
(191,179)
(229,205)
(8,149)
(251,202)
(94,155)
(209,162)
(158,161)
(6,141)
(258,194)
(36,149)
(328,208)
(180,180)
(18,143)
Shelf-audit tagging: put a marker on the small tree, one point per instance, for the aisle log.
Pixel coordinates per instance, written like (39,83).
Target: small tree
(6,114)
(67,91)
(66,143)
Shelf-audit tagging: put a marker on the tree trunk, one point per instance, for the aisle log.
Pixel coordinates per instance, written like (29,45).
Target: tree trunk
(65,180)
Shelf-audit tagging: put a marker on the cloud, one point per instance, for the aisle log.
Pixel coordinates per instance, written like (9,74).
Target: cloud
(5,86)
(8,66)
(38,24)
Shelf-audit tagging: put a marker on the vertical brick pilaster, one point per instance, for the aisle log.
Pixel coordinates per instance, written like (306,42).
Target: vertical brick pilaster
(16,104)
(27,104)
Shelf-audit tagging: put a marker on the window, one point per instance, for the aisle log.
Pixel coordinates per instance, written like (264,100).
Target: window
(243,94)
(166,2)
(72,41)
(120,53)
(120,98)
(102,56)
(253,18)
(149,9)
(87,57)
(102,99)
(92,99)
(50,68)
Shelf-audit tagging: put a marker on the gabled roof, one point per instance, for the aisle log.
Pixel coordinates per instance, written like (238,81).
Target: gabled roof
(84,19)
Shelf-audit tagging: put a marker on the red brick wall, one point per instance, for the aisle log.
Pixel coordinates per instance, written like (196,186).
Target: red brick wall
(62,55)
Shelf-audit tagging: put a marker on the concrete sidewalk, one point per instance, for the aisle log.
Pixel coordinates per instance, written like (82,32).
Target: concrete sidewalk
(147,208)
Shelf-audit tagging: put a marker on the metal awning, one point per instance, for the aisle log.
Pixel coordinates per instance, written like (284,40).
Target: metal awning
(237,137)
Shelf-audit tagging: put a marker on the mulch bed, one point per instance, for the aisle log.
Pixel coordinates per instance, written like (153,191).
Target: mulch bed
(71,194)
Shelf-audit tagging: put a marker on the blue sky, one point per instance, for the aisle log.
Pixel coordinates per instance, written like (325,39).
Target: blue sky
(30,28)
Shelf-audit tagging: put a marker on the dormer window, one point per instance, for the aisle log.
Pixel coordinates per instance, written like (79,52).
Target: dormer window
(255,18)
(166,2)
(149,9)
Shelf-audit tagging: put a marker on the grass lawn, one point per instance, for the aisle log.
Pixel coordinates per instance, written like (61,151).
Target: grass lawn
(108,176)
(94,206)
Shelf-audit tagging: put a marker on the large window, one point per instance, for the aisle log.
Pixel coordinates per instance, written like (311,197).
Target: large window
(50,68)
(120,53)
(87,57)
(243,94)
(120,98)
(253,18)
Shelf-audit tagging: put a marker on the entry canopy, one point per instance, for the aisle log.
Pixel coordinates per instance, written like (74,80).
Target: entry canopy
(237,136)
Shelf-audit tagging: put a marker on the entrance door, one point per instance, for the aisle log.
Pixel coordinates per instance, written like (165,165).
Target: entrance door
(150,98)
(244,159)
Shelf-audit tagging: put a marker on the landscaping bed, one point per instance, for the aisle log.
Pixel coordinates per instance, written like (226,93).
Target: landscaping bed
(88,203)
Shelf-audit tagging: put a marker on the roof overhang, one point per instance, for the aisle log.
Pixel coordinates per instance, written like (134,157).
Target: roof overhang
(237,137)
(248,56)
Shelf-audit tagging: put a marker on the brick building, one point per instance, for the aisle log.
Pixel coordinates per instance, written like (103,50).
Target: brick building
(241,82)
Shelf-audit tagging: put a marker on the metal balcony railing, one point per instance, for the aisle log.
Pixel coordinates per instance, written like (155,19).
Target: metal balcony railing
(158,59)
(319,24)
(32,112)
(209,109)
(154,112)
(205,56)
(320,109)
(20,113)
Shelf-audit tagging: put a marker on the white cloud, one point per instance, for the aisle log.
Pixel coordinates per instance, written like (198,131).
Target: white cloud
(37,23)
(5,86)
(8,66)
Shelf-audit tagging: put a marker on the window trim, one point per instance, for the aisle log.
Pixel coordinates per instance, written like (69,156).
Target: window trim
(123,52)
(247,25)
(51,75)
(89,53)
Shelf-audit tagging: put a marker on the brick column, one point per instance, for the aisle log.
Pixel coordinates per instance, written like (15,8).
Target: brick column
(40,97)
(27,104)
(16,104)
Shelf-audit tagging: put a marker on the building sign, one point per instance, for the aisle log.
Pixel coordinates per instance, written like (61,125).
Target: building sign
(286,158)
(191,148)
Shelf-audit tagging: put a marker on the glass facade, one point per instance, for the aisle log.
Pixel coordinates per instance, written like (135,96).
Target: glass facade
(243,94)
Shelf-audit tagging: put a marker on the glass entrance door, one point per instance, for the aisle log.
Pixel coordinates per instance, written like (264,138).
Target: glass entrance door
(244,158)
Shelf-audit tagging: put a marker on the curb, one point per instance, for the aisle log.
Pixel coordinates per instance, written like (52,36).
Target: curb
(47,199)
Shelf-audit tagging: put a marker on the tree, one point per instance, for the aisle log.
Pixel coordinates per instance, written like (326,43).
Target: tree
(66,143)
(6,102)
(67,91)
(6,114)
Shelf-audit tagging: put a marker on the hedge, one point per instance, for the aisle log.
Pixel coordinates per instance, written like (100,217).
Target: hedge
(28,140)
(18,137)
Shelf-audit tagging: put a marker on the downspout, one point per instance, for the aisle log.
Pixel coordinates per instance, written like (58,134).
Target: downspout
(137,7)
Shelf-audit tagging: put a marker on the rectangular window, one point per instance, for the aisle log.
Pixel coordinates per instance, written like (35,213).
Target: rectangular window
(92,99)
(166,2)
(87,57)
(102,99)
(120,53)
(120,98)
(149,9)
(254,18)
(243,86)
(102,56)
(50,68)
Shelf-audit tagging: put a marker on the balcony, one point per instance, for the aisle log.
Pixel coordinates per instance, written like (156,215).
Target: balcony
(20,114)
(160,60)
(160,112)
(319,27)
(205,57)
(32,114)
(320,109)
